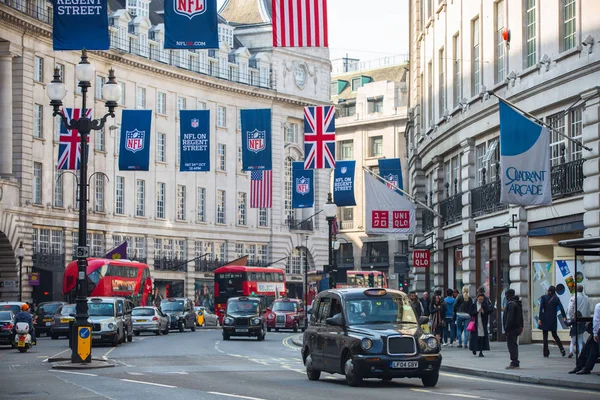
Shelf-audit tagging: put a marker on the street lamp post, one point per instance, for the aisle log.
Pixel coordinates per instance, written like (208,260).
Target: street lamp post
(20,255)
(330,211)
(306,282)
(111,92)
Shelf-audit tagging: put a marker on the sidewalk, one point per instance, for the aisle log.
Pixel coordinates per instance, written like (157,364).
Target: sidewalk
(552,371)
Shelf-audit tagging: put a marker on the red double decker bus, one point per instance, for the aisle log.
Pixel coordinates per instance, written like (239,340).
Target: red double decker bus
(360,279)
(112,278)
(236,280)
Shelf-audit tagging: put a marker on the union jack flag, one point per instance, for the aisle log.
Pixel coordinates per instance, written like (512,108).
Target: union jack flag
(69,148)
(319,137)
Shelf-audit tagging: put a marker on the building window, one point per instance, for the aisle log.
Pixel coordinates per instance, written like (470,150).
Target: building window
(456,69)
(500,46)
(569,24)
(263,254)
(161,103)
(575,133)
(346,150)
(181,103)
(58,190)
(61,71)
(347,217)
(201,105)
(263,217)
(376,146)
(99,190)
(201,205)
(430,94)
(239,250)
(141,98)
(160,200)
(442,82)
(178,149)
(221,207)
(140,206)
(38,72)
(181,203)
(455,163)
(122,100)
(348,110)
(241,208)
(239,120)
(376,105)
(221,156)
(356,83)
(480,155)
(99,140)
(561,149)
(38,121)
(239,158)
(161,140)
(120,195)
(291,132)
(289,212)
(475,63)
(530,33)
(221,116)
(99,84)
(37,183)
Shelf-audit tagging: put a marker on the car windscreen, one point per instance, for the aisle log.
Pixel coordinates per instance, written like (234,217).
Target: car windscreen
(146,312)
(101,309)
(243,307)
(5,316)
(48,308)
(167,305)
(68,310)
(379,310)
(15,308)
(284,306)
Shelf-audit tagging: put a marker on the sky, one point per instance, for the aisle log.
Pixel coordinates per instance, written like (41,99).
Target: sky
(366,30)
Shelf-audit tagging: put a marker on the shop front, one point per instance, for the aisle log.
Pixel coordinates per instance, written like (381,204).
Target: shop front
(453,275)
(204,293)
(164,289)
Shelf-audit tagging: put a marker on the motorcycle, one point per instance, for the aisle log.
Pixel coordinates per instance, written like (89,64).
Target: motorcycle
(22,338)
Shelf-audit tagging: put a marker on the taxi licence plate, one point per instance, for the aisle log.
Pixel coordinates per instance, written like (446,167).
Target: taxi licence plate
(404,364)
(279,325)
(48,323)
(96,336)
(47,319)
(65,320)
(241,330)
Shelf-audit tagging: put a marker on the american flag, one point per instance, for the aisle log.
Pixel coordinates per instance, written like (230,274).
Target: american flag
(300,23)
(69,148)
(261,188)
(319,137)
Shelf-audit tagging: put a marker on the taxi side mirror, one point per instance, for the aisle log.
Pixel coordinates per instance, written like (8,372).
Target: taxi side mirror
(336,320)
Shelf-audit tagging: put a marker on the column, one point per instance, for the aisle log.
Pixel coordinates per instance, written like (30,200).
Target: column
(418,192)
(519,266)
(437,193)
(6,110)
(467,177)
(190,268)
(591,185)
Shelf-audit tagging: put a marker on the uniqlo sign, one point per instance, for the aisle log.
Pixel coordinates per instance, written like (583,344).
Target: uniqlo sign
(421,258)
(380,219)
(401,219)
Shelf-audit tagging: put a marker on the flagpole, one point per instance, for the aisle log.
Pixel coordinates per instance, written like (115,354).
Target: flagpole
(539,121)
(414,199)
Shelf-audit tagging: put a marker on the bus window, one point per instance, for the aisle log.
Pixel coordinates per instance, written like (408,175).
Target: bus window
(253,276)
(268,277)
(360,280)
(279,277)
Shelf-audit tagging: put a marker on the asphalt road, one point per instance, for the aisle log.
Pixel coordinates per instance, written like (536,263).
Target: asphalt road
(201,365)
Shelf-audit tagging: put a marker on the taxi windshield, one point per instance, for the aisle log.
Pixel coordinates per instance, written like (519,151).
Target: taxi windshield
(67,310)
(379,310)
(100,309)
(284,306)
(243,307)
(170,305)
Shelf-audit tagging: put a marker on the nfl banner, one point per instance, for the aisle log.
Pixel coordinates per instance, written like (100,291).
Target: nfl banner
(256,140)
(80,25)
(386,210)
(191,24)
(343,183)
(390,169)
(135,140)
(303,195)
(194,140)
(524,160)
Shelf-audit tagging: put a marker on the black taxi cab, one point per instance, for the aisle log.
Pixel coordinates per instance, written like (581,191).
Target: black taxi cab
(244,317)
(368,333)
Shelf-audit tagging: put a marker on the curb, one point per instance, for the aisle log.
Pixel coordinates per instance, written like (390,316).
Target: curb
(297,341)
(66,364)
(522,378)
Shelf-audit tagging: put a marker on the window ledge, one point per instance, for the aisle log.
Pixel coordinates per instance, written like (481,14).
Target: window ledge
(119,215)
(263,227)
(164,116)
(100,152)
(499,85)
(441,7)
(39,139)
(243,173)
(99,212)
(60,208)
(429,22)
(202,222)
(568,53)
(40,83)
(163,163)
(37,205)
(181,221)
(220,224)
(224,128)
(140,217)
(221,172)
(241,226)
(529,70)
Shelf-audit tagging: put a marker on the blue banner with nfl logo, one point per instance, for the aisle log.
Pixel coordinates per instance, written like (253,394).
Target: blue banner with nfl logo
(343,183)
(303,195)
(390,169)
(256,139)
(134,154)
(79,25)
(194,140)
(191,24)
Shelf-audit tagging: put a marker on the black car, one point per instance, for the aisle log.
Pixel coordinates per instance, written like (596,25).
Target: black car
(368,333)
(45,313)
(244,317)
(180,312)
(7,321)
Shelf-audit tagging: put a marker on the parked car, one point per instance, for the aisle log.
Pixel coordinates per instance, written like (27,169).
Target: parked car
(7,322)
(149,319)
(106,317)
(180,312)
(285,314)
(61,321)
(368,333)
(244,317)
(45,313)
(205,318)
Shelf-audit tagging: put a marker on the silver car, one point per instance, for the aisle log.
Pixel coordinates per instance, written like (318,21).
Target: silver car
(149,319)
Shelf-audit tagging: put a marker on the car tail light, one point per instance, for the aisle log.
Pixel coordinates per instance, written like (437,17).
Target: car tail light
(7,327)
(155,318)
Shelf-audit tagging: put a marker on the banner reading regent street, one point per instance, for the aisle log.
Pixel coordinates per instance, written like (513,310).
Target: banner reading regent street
(135,140)
(343,183)
(524,160)
(191,24)
(303,195)
(256,139)
(80,24)
(194,139)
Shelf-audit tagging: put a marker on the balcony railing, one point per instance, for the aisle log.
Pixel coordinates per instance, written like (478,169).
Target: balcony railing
(169,264)
(451,209)
(202,265)
(348,224)
(427,220)
(344,262)
(142,260)
(376,261)
(300,225)
(486,199)
(567,178)
(41,12)
(49,261)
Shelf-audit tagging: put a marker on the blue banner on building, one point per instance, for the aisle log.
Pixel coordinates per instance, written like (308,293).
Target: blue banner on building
(390,169)
(191,24)
(194,140)
(79,25)
(303,194)
(343,183)
(256,139)
(135,140)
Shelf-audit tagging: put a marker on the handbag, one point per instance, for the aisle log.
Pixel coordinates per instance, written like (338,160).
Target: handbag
(471,326)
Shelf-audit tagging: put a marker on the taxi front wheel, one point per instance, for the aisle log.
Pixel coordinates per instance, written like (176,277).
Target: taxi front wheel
(312,373)
(353,377)
(430,380)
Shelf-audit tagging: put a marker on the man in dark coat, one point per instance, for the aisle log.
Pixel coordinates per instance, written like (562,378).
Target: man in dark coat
(588,356)
(513,326)
(416,304)
(426,302)
(549,305)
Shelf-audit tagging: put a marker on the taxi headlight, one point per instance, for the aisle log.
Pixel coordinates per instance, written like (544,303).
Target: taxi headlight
(432,342)
(228,321)
(366,344)
(111,325)
(255,321)
(271,316)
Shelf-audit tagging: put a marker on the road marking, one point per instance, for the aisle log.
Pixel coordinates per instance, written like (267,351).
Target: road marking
(149,383)
(57,354)
(72,372)
(235,395)
(462,395)
(105,356)
(286,343)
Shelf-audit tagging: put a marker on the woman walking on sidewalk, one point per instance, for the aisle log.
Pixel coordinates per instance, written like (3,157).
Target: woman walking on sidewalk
(549,305)
(437,311)
(461,310)
(480,339)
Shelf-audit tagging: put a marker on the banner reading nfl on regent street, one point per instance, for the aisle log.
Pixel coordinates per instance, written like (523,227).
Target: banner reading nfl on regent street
(524,160)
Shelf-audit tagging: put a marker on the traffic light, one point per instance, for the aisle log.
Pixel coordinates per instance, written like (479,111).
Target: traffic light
(371,280)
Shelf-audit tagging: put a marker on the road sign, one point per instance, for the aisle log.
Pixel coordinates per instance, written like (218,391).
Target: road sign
(84,342)
(83,251)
